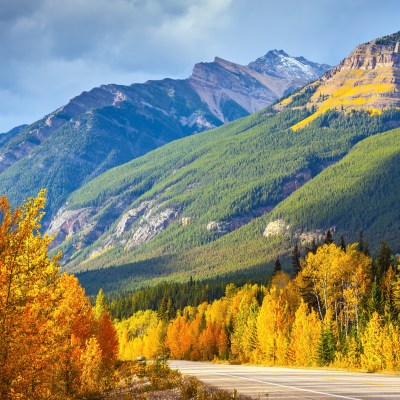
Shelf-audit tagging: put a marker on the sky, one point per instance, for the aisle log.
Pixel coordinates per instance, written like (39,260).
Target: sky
(52,50)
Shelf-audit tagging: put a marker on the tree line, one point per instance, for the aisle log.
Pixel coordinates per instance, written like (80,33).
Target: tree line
(339,308)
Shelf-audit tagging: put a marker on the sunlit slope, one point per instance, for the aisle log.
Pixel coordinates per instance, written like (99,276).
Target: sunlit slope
(194,191)
(359,192)
(362,191)
(368,79)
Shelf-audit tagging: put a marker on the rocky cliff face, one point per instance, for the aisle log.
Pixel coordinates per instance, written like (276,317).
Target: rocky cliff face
(368,79)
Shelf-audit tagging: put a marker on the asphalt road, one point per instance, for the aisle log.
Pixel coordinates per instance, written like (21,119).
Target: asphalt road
(287,383)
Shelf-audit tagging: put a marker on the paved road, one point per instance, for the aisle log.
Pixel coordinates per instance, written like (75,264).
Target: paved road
(295,384)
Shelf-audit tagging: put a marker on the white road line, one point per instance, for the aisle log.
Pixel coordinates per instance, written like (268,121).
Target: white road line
(287,387)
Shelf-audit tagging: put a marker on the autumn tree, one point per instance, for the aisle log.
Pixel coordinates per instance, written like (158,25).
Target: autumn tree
(304,337)
(27,281)
(46,319)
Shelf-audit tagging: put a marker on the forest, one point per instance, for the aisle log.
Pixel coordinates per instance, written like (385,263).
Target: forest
(339,307)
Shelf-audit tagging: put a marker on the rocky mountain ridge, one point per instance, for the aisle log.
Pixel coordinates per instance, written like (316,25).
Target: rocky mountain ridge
(367,79)
(113,124)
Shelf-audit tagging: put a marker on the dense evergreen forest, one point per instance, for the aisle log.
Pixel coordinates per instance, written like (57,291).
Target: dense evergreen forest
(263,162)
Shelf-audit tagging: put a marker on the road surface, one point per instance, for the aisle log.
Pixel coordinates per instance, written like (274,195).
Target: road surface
(294,384)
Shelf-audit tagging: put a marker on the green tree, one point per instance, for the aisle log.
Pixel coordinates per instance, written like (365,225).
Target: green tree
(328,237)
(278,266)
(327,347)
(295,258)
(384,260)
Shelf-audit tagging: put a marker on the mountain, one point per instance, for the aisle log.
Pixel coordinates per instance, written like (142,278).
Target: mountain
(278,64)
(206,236)
(210,204)
(368,79)
(113,124)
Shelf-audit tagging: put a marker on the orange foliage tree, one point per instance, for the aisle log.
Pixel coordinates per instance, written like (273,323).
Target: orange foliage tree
(46,320)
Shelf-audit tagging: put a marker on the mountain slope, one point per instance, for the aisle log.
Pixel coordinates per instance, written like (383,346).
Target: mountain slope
(193,191)
(368,79)
(195,205)
(113,124)
(361,190)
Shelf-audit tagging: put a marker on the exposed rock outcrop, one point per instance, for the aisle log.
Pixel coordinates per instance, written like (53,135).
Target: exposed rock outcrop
(368,79)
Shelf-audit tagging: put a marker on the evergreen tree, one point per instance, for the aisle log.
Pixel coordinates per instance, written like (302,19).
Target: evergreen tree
(363,247)
(312,248)
(163,308)
(375,300)
(342,243)
(384,260)
(296,266)
(326,348)
(328,237)
(278,266)
(101,306)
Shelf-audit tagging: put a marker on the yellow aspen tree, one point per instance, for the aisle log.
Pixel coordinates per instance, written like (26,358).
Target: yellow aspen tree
(92,375)
(272,328)
(304,338)
(249,339)
(372,339)
(324,270)
(154,341)
(240,324)
(391,348)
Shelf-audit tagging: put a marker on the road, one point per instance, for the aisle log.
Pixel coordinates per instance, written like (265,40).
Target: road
(286,383)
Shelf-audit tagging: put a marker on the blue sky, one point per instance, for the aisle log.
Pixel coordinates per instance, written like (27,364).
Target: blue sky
(52,50)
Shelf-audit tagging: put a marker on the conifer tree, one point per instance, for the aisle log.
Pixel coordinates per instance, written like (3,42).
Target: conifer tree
(363,246)
(384,260)
(278,266)
(295,258)
(342,243)
(100,307)
(312,248)
(327,347)
(328,237)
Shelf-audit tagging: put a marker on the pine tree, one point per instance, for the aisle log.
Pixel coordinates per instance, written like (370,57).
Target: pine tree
(295,258)
(163,308)
(363,247)
(342,243)
(278,266)
(326,348)
(100,307)
(312,248)
(328,237)
(375,300)
(384,260)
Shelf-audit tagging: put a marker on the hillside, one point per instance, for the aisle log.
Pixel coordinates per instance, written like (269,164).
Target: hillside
(201,205)
(113,124)
(182,195)
(368,79)
(362,190)
(352,189)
